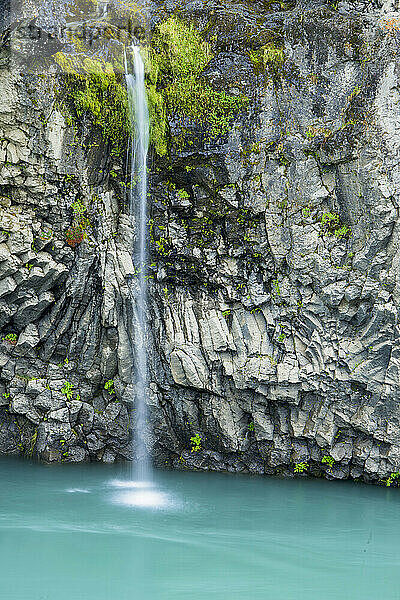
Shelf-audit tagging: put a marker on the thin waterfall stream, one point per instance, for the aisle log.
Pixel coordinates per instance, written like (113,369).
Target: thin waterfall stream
(144,492)
(139,116)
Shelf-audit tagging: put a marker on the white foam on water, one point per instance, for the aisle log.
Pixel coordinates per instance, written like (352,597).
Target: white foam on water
(121,483)
(142,494)
(77,491)
(144,499)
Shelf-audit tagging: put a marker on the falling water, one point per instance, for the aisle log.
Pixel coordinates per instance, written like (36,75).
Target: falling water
(139,116)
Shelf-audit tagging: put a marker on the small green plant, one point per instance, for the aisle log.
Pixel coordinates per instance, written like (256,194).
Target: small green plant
(109,386)
(226,313)
(32,443)
(183,195)
(162,247)
(343,232)
(392,477)
(310,133)
(63,364)
(196,442)
(330,222)
(300,467)
(78,207)
(283,203)
(328,460)
(68,390)
(281,337)
(331,226)
(313,131)
(274,56)
(46,234)
(11,338)
(74,235)
(64,451)
(251,426)
(269,58)
(275,283)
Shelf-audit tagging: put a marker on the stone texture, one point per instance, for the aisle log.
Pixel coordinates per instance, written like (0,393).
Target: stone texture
(272,338)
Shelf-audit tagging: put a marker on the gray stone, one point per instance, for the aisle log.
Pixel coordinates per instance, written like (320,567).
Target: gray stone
(28,339)
(272,333)
(47,400)
(62,415)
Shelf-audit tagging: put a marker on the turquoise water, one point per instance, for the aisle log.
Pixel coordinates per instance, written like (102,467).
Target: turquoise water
(70,533)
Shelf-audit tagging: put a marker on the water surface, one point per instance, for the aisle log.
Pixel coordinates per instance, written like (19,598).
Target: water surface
(69,533)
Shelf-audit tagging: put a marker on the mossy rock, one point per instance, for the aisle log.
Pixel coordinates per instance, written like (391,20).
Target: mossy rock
(91,87)
(178,92)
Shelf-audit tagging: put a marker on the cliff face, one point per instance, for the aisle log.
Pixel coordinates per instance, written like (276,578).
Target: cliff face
(274,233)
(63,300)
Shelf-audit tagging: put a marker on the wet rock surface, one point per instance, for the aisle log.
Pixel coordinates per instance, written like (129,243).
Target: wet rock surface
(274,294)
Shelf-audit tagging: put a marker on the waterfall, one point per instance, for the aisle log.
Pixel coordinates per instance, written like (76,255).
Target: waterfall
(139,117)
(140,491)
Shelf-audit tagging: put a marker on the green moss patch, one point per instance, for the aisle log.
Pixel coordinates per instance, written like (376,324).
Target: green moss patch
(331,225)
(91,87)
(268,59)
(177,89)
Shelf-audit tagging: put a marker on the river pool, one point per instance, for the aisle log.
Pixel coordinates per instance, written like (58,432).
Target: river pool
(77,532)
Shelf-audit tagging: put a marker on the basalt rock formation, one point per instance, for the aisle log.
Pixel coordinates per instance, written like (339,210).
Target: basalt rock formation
(274,234)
